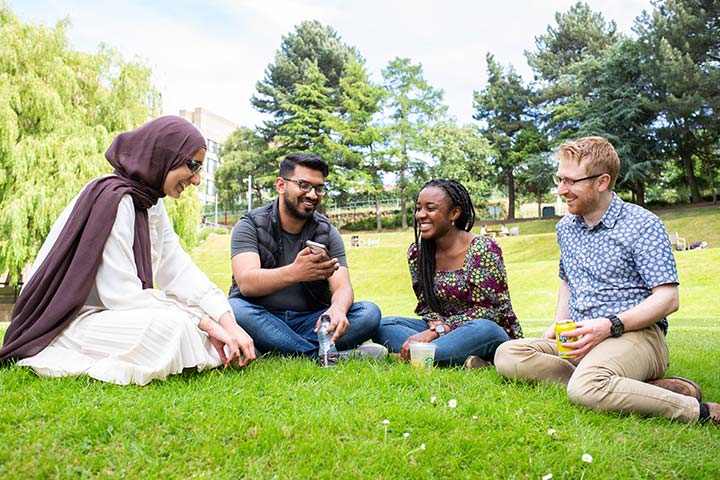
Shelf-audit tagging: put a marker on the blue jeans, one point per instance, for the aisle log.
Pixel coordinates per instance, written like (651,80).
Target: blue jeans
(477,337)
(292,332)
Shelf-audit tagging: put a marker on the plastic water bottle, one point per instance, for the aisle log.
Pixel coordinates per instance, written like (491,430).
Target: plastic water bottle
(327,353)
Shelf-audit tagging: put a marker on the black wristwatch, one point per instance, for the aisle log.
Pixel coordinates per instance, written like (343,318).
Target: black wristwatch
(617,328)
(440,330)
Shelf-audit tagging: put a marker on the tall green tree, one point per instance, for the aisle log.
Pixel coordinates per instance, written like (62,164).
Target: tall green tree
(59,110)
(463,154)
(579,36)
(535,177)
(361,136)
(322,101)
(311,46)
(309,121)
(412,105)
(681,40)
(622,112)
(505,107)
(245,153)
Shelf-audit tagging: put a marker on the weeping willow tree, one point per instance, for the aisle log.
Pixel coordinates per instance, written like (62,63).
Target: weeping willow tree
(59,111)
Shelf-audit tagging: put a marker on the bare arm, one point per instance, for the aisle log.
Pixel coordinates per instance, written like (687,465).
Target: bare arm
(665,299)
(255,281)
(562,312)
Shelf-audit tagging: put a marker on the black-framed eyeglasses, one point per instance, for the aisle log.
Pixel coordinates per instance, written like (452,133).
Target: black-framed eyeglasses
(194,166)
(306,186)
(572,181)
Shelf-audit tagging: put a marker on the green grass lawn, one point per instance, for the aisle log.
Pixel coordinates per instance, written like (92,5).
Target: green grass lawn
(287,418)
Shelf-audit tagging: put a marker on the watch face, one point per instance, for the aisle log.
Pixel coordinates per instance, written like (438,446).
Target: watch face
(440,329)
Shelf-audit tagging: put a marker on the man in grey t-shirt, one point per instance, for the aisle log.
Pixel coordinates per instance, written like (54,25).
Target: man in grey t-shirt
(280,287)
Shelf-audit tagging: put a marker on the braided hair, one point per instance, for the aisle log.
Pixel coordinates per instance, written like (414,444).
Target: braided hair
(459,197)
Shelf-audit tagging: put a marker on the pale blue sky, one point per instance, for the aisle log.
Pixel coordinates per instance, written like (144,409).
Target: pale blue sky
(211,53)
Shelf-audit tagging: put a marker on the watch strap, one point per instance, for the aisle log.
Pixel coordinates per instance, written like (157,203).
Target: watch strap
(617,327)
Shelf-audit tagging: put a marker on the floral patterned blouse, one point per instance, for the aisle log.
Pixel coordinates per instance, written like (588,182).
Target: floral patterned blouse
(478,290)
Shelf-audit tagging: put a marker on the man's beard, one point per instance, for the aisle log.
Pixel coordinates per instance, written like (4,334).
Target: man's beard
(294,208)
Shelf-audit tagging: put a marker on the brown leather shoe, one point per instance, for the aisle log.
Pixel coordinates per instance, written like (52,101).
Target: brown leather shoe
(473,361)
(680,385)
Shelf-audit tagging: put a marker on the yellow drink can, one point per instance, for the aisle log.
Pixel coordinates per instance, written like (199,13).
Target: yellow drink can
(560,327)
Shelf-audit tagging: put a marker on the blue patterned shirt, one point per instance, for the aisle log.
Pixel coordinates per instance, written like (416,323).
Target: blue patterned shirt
(614,265)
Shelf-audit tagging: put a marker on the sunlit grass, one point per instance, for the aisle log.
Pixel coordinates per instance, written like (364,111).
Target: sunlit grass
(288,418)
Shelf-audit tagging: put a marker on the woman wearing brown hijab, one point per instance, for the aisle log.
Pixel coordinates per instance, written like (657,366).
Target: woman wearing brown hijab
(90,306)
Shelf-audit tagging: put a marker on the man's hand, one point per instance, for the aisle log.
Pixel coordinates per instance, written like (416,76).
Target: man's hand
(310,266)
(339,324)
(426,336)
(590,332)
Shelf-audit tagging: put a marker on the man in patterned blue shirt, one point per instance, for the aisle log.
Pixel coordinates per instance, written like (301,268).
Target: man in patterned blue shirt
(618,283)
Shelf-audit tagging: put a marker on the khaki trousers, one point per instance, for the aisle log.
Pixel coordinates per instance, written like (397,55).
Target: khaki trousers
(611,377)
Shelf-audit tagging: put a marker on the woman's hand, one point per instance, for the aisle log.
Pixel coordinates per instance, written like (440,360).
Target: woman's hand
(426,336)
(227,333)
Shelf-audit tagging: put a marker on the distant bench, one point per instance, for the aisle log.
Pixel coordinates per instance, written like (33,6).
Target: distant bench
(356,241)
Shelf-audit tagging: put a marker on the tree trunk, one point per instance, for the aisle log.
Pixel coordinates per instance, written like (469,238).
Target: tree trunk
(403,200)
(690,176)
(539,202)
(511,194)
(378,223)
(640,193)
(376,182)
(687,162)
(711,175)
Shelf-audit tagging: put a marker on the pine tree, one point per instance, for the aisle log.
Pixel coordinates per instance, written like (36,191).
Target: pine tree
(681,42)
(505,106)
(580,36)
(412,105)
(311,46)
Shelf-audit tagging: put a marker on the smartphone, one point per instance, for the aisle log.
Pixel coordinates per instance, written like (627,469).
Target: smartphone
(316,247)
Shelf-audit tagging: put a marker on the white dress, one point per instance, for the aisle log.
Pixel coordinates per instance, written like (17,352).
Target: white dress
(127,334)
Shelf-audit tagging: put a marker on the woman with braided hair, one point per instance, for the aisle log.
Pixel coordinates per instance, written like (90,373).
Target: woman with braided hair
(460,283)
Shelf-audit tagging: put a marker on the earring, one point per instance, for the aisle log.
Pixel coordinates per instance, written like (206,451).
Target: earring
(452,222)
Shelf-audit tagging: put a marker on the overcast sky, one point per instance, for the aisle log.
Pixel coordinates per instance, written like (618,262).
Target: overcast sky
(211,53)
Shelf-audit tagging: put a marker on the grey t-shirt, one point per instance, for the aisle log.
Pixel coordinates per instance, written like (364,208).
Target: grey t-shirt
(294,297)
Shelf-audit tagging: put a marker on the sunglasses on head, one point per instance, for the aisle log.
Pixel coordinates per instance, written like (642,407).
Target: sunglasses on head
(194,166)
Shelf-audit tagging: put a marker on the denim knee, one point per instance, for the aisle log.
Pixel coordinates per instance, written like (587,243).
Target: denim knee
(491,332)
(243,311)
(388,321)
(365,315)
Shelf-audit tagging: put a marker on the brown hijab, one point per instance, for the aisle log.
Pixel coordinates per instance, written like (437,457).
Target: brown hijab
(59,288)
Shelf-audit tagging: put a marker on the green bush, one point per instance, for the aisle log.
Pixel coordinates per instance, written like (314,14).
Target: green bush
(368,223)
